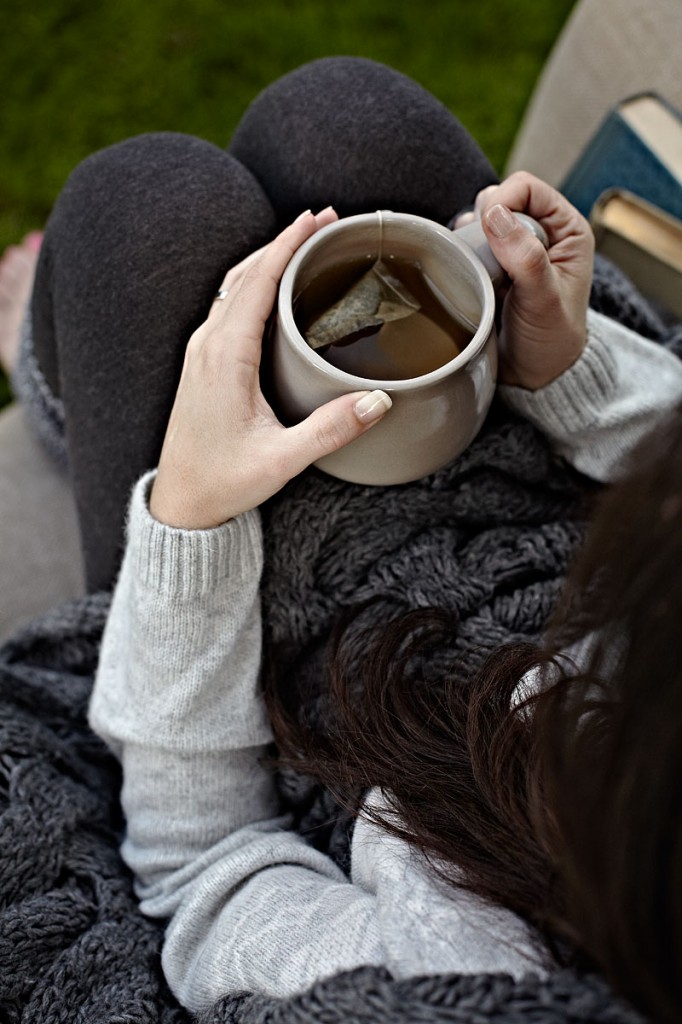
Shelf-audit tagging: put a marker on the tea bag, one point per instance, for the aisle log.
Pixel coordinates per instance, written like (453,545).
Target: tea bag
(377,298)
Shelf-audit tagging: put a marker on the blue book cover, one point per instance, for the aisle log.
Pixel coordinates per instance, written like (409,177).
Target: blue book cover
(638,147)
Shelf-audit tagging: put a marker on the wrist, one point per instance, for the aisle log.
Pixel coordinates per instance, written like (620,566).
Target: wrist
(543,362)
(181,507)
(185,564)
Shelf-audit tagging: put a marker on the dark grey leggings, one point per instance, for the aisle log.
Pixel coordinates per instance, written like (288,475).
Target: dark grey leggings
(144,231)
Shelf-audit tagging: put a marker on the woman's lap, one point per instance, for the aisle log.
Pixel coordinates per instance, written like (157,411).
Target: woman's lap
(144,231)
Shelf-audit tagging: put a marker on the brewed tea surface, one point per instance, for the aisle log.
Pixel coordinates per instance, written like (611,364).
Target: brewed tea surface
(426,335)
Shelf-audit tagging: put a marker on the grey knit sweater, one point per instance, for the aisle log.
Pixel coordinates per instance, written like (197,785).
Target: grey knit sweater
(250,904)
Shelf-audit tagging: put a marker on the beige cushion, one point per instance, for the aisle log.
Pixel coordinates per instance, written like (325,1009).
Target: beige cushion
(609,49)
(40,558)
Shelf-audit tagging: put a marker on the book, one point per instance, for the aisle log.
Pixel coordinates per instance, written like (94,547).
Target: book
(637,147)
(644,241)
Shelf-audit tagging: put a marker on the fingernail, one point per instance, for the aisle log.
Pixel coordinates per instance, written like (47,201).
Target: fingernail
(327,209)
(372,405)
(462,219)
(34,240)
(306,213)
(500,220)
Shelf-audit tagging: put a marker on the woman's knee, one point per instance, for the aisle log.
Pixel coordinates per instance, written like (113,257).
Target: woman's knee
(141,236)
(358,134)
(162,193)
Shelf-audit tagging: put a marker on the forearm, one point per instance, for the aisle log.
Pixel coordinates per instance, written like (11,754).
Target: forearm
(250,904)
(599,409)
(176,694)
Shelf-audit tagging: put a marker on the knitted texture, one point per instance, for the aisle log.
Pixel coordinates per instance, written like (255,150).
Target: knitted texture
(369,995)
(489,536)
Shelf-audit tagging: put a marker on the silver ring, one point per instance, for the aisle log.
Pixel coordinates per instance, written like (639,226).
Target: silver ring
(222,294)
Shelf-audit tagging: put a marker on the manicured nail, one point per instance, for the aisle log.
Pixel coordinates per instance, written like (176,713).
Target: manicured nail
(34,240)
(306,213)
(464,218)
(500,220)
(372,406)
(327,209)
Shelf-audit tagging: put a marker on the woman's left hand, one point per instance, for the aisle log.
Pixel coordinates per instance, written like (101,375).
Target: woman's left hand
(225,451)
(543,326)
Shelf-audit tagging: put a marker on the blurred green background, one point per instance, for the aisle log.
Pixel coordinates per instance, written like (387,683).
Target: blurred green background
(77,75)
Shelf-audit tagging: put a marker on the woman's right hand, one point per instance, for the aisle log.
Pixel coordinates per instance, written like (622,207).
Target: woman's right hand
(225,451)
(544,313)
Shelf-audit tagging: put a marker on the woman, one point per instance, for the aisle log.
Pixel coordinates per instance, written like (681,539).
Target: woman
(251,905)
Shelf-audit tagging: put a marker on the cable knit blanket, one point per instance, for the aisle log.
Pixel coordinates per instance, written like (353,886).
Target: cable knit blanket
(490,535)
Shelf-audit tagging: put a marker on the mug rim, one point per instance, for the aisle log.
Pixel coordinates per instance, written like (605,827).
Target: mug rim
(353,381)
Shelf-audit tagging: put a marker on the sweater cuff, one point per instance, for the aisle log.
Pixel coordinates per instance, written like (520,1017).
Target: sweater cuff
(189,564)
(574,400)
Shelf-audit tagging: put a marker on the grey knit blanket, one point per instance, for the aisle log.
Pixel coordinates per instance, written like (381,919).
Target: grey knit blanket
(489,536)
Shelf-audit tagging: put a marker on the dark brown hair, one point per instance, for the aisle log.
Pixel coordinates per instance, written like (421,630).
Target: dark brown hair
(563,804)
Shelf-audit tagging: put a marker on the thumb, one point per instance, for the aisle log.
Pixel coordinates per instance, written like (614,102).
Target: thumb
(516,248)
(335,425)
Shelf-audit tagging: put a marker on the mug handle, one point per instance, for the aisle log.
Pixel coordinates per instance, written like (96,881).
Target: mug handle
(474,237)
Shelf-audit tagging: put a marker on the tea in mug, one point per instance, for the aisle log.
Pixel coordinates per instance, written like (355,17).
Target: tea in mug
(384,319)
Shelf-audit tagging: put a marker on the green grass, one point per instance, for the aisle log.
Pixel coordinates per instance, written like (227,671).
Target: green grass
(78,75)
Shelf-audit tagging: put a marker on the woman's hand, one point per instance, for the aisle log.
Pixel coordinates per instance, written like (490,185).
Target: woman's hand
(544,314)
(225,451)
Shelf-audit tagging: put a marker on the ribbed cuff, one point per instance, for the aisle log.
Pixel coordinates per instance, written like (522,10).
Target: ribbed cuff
(574,400)
(189,564)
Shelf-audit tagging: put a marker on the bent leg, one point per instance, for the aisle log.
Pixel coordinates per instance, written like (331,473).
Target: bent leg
(134,251)
(361,136)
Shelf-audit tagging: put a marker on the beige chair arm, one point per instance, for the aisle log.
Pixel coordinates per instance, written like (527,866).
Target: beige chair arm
(608,49)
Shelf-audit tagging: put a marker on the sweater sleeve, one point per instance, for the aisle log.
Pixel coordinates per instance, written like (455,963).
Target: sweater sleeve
(251,906)
(597,412)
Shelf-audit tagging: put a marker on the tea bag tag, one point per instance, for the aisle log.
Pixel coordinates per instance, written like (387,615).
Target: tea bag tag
(377,298)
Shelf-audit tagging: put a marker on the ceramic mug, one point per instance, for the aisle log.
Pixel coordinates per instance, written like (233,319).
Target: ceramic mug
(434,416)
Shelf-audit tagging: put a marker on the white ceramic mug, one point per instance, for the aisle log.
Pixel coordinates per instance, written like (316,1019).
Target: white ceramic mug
(434,416)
